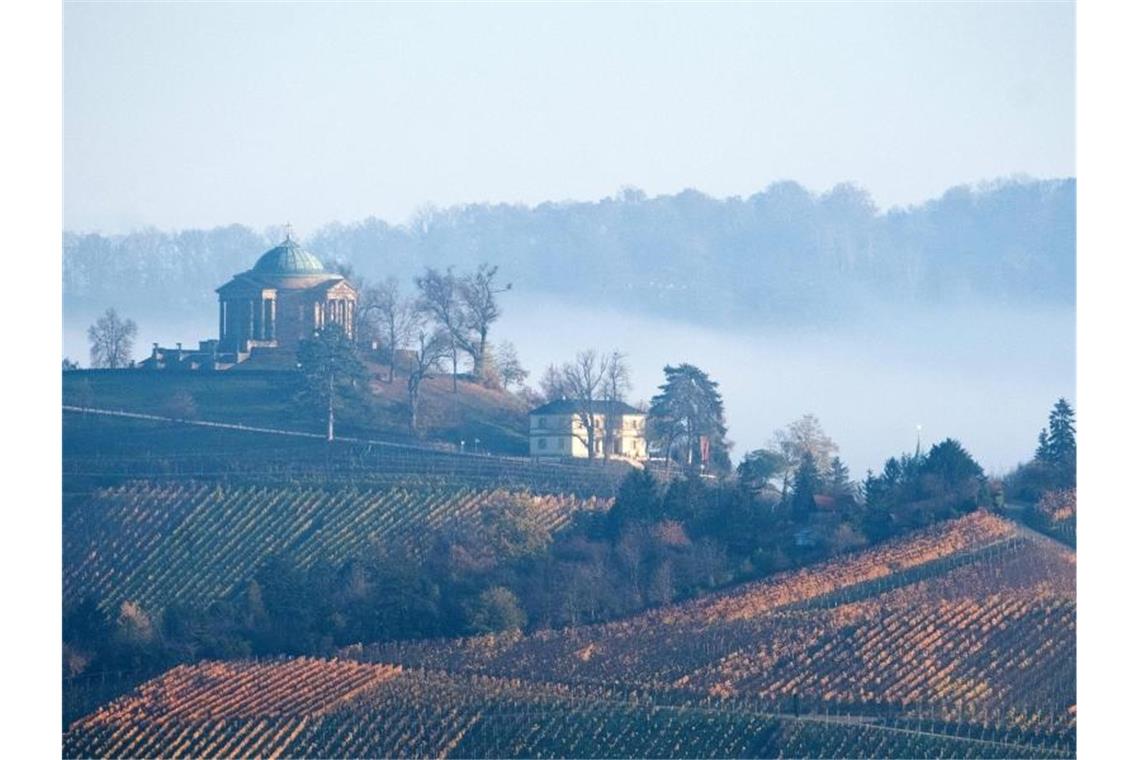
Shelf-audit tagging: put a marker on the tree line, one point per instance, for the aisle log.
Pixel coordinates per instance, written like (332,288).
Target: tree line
(1048,482)
(1005,242)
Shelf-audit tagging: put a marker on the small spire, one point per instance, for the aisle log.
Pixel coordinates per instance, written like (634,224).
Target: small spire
(288,231)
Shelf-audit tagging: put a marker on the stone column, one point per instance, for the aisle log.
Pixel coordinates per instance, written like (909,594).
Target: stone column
(249,333)
(273,319)
(221,321)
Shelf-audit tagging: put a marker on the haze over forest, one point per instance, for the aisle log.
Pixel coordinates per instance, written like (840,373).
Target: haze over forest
(957,313)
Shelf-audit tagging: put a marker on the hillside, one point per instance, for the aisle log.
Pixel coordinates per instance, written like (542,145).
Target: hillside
(958,642)
(194,542)
(266,399)
(348,710)
(972,620)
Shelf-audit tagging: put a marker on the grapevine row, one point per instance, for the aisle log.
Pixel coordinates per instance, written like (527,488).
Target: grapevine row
(154,543)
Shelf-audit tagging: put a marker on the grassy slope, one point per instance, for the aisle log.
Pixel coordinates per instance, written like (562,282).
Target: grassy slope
(265,399)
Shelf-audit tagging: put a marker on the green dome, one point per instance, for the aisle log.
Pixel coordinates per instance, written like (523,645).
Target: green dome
(288,258)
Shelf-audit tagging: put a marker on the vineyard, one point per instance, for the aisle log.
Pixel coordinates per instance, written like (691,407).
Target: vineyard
(958,641)
(330,708)
(983,644)
(661,646)
(154,542)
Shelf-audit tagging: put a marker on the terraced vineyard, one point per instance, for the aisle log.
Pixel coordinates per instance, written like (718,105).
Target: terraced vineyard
(987,640)
(308,708)
(660,647)
(195,542)
(958,641)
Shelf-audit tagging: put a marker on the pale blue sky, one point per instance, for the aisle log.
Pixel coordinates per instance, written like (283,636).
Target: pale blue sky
(182,115)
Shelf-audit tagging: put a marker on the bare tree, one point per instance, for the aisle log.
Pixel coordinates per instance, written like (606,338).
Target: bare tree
(552,385)
(365,317)
(111,340)
(479,292)
(440,299)
(615,384)
(395,317)
(803,437)
(365,326)
(431,346)
(584,380)
(503,366)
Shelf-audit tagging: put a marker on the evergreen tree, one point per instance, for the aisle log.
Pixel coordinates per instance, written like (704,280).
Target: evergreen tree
(1061,443)
(331,372)
(759,467)
(952,474)
(838,478)
(806,485)
(688,409)
(892,473)
(1042,453)
(636,499)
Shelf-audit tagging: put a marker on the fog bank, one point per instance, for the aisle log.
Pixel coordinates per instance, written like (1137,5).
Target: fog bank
(986,376)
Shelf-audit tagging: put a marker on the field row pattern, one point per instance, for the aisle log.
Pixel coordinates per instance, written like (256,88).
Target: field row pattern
(989,641)
(193,542)
(423,714)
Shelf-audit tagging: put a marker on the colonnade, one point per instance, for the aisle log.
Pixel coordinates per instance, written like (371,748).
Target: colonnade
(241,319)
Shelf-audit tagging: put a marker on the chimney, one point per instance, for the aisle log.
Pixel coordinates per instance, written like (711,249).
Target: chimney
(154,352)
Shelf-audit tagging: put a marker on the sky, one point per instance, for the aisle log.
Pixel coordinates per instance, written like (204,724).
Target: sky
(195,115)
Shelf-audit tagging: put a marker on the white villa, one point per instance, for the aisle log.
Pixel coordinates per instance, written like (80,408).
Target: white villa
(557,431)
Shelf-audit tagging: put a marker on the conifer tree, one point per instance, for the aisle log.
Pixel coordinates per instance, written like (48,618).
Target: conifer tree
(687,409)
(331,372)
(1061,443)
(838,478)
(806,485)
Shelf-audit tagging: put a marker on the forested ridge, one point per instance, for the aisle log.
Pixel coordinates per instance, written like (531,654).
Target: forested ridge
(783,255)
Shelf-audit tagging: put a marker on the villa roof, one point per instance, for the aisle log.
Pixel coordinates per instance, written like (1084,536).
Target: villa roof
(573,406)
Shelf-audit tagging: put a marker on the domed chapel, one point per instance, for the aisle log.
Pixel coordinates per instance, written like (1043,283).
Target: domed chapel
(283,299)
(264,313)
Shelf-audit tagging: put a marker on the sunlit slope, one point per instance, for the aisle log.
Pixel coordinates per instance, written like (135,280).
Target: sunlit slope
(154,543)
(329,708)
(954,642)
(970,621)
